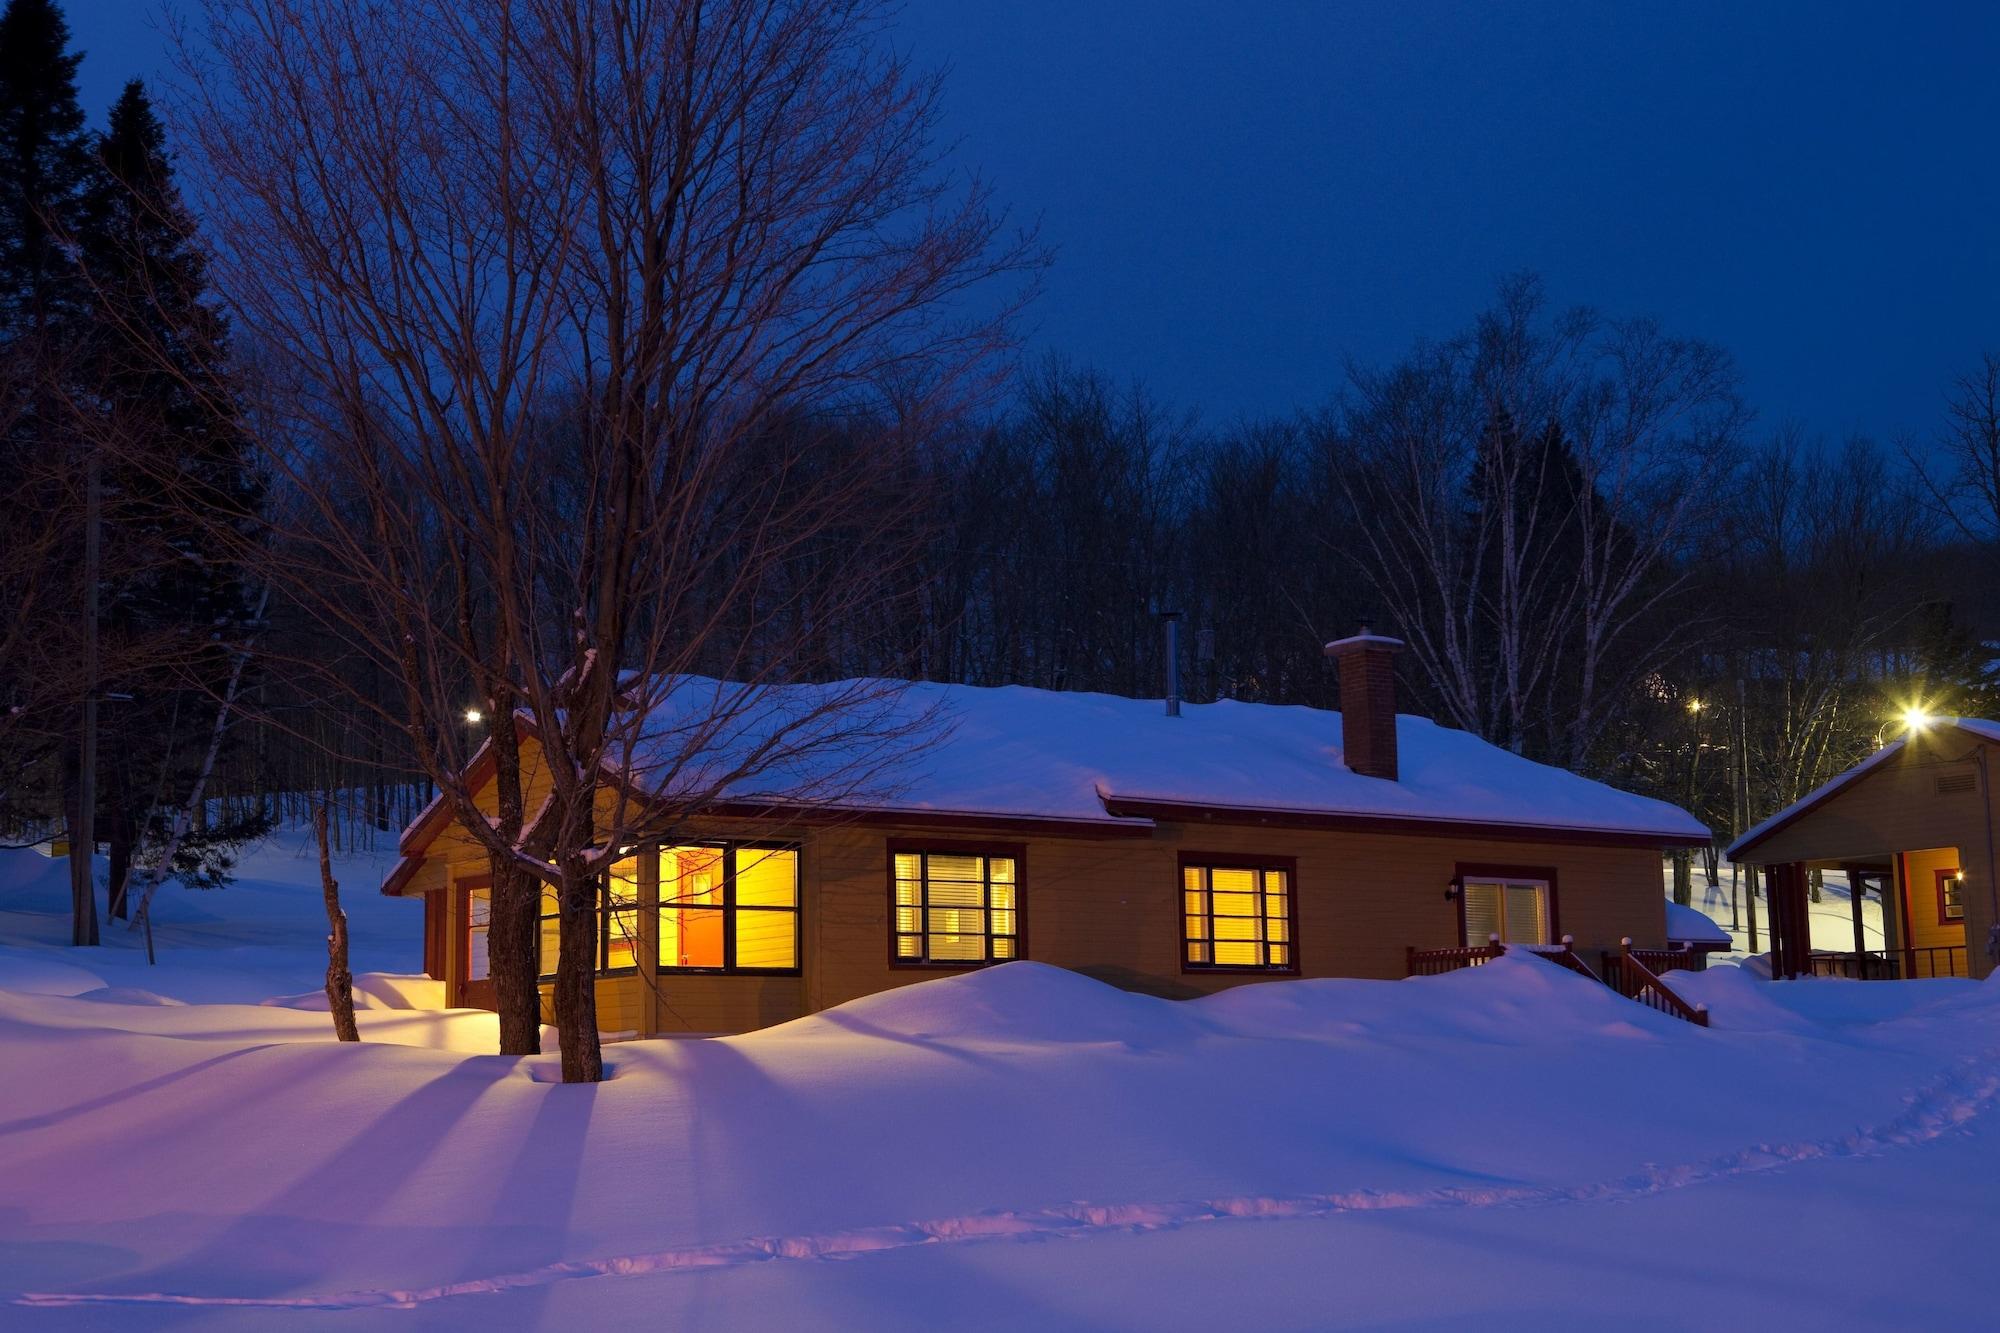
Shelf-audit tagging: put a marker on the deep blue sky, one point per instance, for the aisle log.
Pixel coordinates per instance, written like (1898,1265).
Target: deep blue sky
(1242,195)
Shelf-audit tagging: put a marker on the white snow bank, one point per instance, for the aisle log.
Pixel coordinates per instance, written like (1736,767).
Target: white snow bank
(1685,923)
(375,990)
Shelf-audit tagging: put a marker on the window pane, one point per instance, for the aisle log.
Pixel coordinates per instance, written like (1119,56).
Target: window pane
(1233,881)
(477,966)
(1482,912)
(1526,921)
(958,921)
(1191,878)
(1002,869)
(1197,927)
(551,904)
(622,949)
(1237,928)
(909,865)
(1003,922)
(766,878)
(1003,948)
(1277,928)
(623,886)
(691,875)
(1237,904)
(1002,895)
(766,939)
(958,948)
(1281,956)
(690,937)
(1197,953)
(906,920)
(1275,881)
(1191,902)
(909,891)
(957,893)
(957,867)
(478,907)
(908,946)
(1238,954)
(551,942)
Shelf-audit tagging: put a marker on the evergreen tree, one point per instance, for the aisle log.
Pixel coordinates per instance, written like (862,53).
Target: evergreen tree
(45,471)
(45,169)
(1953,673)
(186,496)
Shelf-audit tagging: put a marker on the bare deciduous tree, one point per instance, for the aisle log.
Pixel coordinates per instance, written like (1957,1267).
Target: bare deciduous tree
(1525,497)
(559,307)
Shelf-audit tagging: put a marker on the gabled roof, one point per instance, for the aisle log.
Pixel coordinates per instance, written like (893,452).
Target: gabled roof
(1097,764)
(1978,728)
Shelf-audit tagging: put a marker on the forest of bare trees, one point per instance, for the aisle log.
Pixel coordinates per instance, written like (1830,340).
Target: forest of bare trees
(528,360)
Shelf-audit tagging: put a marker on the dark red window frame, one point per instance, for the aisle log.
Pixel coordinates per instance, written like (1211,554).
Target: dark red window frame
(1238,861)
(1014,851)
(1943,918)
(1476,870)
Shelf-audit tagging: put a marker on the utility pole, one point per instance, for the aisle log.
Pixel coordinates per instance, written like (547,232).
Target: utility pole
(83,838)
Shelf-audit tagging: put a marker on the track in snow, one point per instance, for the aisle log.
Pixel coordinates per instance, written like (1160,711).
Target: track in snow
(1946,1105)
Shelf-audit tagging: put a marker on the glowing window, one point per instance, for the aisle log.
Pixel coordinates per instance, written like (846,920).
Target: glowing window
(729,908)
(617,921)
(1517,910)
(478,919)
(953,907)
(1950,896)
(1237,917)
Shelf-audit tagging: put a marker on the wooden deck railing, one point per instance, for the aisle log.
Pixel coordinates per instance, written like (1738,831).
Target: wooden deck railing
(1661,961)
(1914,963)
(1626,974)
(1437,962)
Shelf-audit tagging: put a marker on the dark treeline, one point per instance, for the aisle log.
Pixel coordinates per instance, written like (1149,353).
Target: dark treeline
(1598,554)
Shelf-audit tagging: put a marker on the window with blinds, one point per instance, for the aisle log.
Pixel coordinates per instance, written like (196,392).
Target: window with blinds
(1517,910)
(1237,917)
(617,923)
(954,907)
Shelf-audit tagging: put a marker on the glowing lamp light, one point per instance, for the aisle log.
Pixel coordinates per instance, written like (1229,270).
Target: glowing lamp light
(474,716)
(1916,719)
(1696,705)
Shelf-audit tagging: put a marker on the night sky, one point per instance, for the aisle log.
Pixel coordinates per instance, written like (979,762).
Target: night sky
(1241,196)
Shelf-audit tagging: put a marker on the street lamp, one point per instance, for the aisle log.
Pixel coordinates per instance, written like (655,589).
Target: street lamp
(474,716)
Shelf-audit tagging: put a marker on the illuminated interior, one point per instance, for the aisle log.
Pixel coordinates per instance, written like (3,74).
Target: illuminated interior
(1237,916)
(478,920)
(732,908)
(1517,910)
(955,907)
(691,885)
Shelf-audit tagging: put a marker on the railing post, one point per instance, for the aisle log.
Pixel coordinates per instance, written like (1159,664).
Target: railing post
(1409,960)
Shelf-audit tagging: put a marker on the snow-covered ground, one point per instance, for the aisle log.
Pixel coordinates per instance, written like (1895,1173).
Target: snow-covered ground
(1020,1147)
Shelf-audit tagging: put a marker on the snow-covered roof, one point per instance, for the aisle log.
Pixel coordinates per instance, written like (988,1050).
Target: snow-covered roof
(1974,726)
(1685,923)
(1017,752)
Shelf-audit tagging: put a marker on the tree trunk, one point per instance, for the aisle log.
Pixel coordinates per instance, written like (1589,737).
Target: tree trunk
(576,979)
(513,955)
(339,979)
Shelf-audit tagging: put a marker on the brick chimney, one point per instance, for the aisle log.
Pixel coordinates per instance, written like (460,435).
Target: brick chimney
(1367,666)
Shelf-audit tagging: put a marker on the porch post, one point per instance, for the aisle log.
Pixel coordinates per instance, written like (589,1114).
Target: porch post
(1857,889)
(648,943)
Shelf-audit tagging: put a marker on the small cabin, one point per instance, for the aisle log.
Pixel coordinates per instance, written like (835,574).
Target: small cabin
(1171,850)
(1915,822)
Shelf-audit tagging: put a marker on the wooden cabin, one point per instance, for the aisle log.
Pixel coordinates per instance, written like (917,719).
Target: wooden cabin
(1176,853)
(1914,820)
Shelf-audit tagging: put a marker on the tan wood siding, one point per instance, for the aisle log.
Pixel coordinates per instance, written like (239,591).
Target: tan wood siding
(1903,806)
(1109,908)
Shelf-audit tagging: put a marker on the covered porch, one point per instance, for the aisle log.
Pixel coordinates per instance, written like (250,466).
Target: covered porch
(1913,825)
(1920,931)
